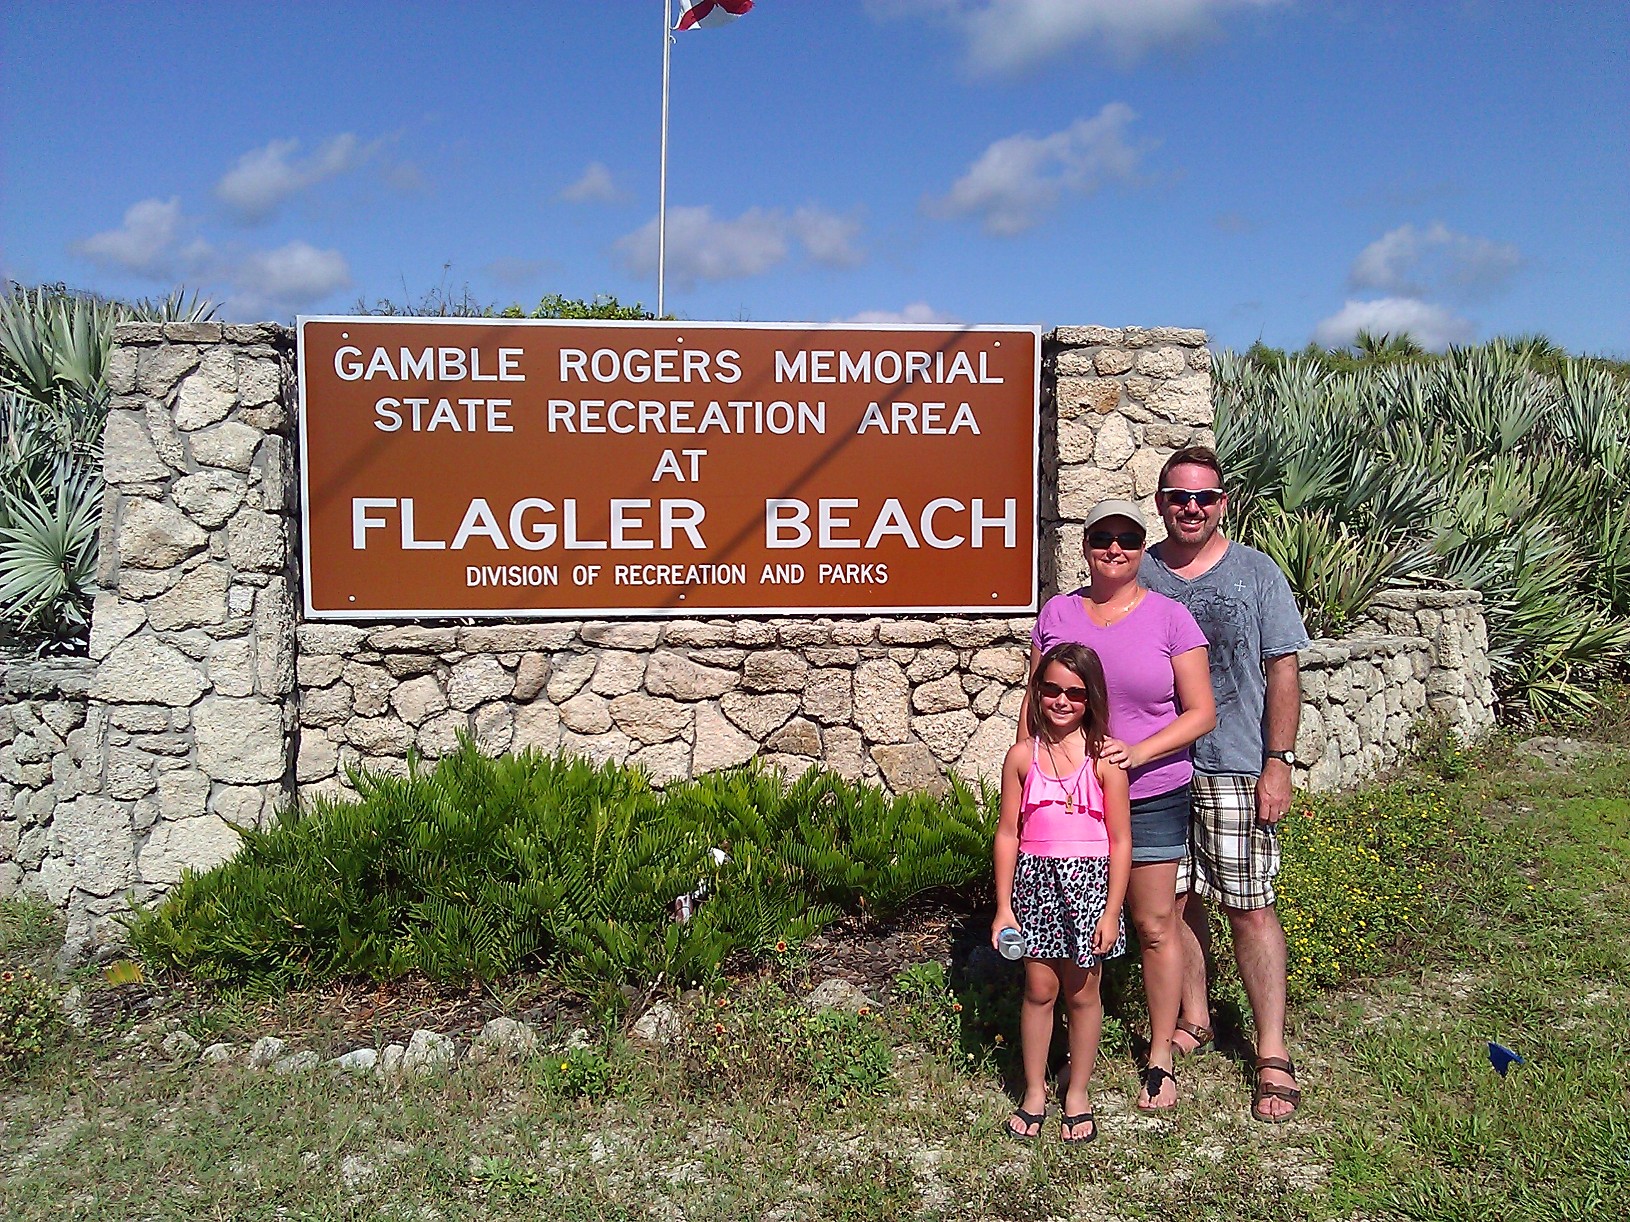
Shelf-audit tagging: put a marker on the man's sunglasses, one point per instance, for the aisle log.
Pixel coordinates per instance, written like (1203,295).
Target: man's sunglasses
(1205,498)
(1051,690)
(1130,540)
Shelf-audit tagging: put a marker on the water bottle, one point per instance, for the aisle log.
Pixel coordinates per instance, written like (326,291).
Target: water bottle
(1010,943)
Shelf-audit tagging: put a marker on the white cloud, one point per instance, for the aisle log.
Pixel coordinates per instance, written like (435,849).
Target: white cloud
(916,312)
(593,186)
(1020,177)
(1429,325)
(286,279)
(146,243)
(704,247)
(1413,262)
(828,239)
(1011,35)
(265,178)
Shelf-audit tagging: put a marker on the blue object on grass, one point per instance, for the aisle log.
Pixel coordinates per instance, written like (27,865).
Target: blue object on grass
(1502,1058)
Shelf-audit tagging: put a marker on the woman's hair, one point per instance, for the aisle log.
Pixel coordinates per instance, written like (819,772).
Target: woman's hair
(1084,663)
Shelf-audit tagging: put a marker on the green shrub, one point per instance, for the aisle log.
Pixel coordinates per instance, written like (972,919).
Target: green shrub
(31,1019)
(578,1073)
(1365,877)
(480,866)
(764,1045)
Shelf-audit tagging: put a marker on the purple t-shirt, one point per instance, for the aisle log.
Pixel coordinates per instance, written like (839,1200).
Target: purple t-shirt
(1137,654)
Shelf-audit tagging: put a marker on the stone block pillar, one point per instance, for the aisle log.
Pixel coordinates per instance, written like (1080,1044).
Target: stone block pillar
(190,726)
(1117,402)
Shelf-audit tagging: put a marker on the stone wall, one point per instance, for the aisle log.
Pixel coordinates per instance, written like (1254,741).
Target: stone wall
(189,728)
(1419,654)
(207,705)
(42,712)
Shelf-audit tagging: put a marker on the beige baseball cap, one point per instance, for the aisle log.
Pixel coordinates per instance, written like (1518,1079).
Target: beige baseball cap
(1115,509)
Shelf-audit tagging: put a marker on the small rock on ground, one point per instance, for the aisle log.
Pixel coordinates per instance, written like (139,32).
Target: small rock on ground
(296,1062)
(358,1060)
(218,1054)
(659,1025)
(837,994)
(504,1037)
(264,1051)
(179,1046)
(428,1051)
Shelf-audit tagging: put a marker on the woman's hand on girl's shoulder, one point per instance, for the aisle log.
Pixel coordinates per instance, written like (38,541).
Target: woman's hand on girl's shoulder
(1115,752)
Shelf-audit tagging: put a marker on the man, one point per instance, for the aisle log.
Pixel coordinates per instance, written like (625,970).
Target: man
(1242,769)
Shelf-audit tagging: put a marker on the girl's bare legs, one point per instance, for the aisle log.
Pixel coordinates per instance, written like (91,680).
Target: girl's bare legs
(1041,981)
(1086,1010)
(1151,898)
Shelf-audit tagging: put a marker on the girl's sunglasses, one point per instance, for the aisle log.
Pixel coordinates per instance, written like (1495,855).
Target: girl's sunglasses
(1205,498)
(1099,540)
(1051,690)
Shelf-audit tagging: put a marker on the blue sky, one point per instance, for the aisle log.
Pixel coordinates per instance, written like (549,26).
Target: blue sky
(1279,169)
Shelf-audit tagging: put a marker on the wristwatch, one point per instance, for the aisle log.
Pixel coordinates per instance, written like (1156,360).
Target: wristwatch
(1288,757)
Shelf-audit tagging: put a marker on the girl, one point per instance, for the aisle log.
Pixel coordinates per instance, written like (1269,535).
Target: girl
(1063,854)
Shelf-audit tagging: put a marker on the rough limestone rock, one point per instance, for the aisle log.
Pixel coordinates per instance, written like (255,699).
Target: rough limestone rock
(197,599)
(651,719)
(209,497)
(418,699)
(265,1051)
(296,1063)
(839,994)
(157,535)
(240,741)
(672,674)
(185,844)
(128,454)
(659,1025)
(568,675)
(476,680)
(882,701)
(910,767)
(759,716)
(392,1057)
(358,1060)
(230,446)
(939,695)
(218,1054)
(504,1037)
(179,1046)
(428,1052)
(718,743)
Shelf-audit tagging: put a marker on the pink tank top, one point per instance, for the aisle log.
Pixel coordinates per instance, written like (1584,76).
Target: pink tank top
(1062,816)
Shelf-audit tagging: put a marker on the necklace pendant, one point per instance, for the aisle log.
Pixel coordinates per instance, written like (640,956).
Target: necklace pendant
(1069,804)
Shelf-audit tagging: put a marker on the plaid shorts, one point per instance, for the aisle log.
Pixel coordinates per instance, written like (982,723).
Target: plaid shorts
(1233,856)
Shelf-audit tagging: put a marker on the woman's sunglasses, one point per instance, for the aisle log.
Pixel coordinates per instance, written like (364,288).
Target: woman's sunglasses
(1051,690)
(1205,498)
(1130,540)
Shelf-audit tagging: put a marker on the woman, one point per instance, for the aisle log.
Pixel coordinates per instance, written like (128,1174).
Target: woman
(1160,702)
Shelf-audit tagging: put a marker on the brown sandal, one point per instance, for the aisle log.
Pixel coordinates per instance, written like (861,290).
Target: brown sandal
(1262,1090)
(1202,1036)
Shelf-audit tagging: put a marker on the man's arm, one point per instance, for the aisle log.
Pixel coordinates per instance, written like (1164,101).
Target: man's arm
(1282,717)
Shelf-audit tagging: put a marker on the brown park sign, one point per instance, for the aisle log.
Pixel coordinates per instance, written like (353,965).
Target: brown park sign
(499,467)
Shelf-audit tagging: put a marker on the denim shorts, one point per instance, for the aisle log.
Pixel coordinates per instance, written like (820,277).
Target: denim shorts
(1160,826)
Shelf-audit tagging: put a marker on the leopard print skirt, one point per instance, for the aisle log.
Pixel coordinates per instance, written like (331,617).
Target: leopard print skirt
(1058,901)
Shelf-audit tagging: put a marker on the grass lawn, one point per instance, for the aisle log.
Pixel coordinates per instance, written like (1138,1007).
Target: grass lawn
(764,1111)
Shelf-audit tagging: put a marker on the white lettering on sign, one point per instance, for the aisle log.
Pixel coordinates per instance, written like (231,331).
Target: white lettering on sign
(532,525)
(476,416)
(650,365)
(928,419)
(786,523)
(428,364)
(828,365)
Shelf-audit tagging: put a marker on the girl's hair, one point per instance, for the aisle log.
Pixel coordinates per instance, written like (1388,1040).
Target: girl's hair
(1081,660)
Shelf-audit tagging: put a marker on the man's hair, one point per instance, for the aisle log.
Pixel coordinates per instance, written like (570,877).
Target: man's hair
(1194,456)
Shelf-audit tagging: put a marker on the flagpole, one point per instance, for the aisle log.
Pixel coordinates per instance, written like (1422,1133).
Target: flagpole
(662,190)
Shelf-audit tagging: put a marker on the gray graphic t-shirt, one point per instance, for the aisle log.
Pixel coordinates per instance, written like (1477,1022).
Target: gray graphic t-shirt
(1244,606)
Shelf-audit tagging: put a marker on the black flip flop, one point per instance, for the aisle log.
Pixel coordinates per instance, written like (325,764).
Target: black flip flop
(1067,1122)
(1028,1119)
